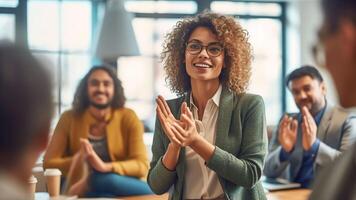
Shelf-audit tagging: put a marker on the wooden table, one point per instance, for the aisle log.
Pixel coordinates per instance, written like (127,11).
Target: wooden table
(147,197)
(296,194)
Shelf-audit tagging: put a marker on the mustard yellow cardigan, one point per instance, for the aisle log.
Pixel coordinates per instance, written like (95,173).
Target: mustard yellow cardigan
(124,138)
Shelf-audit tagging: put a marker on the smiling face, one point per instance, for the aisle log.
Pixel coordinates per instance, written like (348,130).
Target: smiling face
(203,66)
(100,89)
(308,92)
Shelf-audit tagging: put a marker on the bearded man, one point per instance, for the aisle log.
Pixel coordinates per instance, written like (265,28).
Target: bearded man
(100,132)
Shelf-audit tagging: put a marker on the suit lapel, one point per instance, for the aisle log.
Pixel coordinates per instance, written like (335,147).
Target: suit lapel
(182,159)
(325,122)
(297,155)
(224,117)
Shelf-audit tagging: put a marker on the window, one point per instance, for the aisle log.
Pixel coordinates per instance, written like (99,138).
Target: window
(246,8)
(9,3)
(263,21)
(7,22)
(161,6)
(7,19)
(266,77)
(150,34)
(62,35)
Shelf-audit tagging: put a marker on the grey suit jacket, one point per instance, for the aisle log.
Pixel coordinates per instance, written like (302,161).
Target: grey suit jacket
(336,132)
(241,146)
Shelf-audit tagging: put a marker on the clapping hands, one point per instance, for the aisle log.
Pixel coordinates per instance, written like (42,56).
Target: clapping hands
(93,159)
(309,129)
(182,132)
(288,131)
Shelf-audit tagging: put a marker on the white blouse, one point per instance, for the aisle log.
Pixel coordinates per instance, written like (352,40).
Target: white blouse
(200,181)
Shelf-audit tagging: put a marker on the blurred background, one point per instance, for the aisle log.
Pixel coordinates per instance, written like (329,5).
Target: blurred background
(73,35)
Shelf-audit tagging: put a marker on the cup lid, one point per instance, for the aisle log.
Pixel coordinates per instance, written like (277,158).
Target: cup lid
(52,172)
(32,179)
(37,169)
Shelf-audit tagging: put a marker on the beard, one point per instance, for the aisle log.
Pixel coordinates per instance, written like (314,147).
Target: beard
(307,103)
(100,106)
(309,106)
(313,107)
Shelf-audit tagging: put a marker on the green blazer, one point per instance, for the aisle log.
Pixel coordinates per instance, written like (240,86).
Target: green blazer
(241,146)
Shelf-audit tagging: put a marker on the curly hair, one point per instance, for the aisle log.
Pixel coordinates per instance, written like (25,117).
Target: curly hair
(81,98)
(238,52)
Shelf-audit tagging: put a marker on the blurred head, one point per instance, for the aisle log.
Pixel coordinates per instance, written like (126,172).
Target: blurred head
(191,46)
(338,37)
(308,88)
(25,107)
(99,88)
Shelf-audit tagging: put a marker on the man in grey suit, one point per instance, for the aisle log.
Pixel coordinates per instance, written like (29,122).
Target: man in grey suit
(338,37)
(312,138)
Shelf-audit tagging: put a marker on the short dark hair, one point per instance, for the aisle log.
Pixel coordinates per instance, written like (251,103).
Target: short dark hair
(26,105)
(305,70)
(81,98)
(335,10)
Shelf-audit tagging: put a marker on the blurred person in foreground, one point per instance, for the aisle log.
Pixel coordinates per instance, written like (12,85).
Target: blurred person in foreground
(210,143)
(25,114)
(307,141)
(98,144)
(338,37)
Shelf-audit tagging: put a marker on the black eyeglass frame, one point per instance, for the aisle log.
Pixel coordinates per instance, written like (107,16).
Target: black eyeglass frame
(206,48)
(318,49)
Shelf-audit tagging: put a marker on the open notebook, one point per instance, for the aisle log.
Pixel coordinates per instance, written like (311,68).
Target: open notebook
(272,184)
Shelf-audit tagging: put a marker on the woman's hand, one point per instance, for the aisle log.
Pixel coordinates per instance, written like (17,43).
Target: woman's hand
(182,132)
(188,133)
(167,120)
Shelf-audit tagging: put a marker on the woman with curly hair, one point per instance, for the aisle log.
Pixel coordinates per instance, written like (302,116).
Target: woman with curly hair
(209,143)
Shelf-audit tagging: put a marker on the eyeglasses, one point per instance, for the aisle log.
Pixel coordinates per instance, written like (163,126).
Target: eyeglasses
(213,49)
(318,50)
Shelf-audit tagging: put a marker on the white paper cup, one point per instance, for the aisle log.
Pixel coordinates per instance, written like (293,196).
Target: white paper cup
(53,180)
(32,181)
